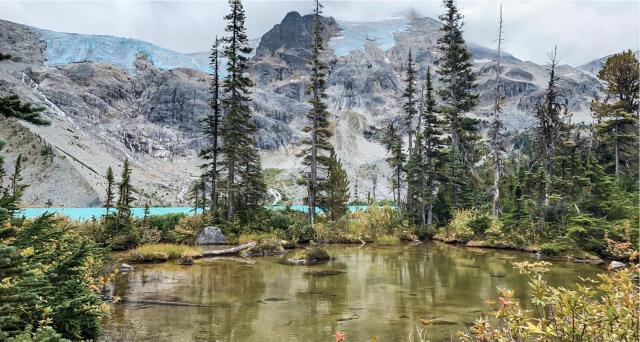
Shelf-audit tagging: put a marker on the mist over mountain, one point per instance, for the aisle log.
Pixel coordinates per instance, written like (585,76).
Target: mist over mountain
(113,98)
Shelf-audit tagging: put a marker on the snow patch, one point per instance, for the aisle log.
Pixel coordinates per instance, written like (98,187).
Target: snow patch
(354,35)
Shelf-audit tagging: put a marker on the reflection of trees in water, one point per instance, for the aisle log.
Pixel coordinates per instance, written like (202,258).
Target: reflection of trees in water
(234,290)
(380,286)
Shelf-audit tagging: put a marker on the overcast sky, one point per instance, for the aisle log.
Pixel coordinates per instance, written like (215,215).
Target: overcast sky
(583,30)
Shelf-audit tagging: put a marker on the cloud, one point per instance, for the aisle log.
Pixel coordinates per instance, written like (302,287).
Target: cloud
(583,30)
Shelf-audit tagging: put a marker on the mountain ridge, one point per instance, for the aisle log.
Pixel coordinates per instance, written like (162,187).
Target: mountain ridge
(106,113)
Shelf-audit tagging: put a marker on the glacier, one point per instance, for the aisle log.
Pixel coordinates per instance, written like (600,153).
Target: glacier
(64,48)
(354,35)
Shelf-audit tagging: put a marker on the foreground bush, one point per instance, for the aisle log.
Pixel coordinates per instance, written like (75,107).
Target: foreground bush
(366,226)
(50,282)
(607,309)
(459,229)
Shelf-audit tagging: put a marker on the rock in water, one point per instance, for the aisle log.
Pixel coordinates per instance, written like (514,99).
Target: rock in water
(107,291)
(126,268)
(210,236)
(614,265)
(308,256)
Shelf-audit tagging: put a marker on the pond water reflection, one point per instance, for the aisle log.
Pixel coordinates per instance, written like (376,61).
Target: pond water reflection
(380,291)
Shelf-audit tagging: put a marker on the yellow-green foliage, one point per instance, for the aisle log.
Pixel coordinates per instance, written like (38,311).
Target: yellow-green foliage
(458,229)
(187,229)
(258,237)
(161,252)
(387,239)
(365,226)
(607,309)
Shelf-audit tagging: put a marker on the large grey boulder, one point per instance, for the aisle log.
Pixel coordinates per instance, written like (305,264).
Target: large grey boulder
(210,236)
(616,265)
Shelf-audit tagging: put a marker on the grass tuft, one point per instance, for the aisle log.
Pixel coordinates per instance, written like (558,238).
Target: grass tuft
(159,252)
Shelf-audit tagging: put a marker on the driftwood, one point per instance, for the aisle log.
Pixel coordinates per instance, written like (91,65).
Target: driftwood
(232,250)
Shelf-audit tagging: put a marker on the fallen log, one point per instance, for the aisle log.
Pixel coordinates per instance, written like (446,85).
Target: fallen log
(232,250)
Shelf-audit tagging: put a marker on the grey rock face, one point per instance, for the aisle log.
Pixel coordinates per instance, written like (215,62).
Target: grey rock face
(210,236)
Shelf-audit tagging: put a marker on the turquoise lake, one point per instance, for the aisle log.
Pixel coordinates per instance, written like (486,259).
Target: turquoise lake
(89,213)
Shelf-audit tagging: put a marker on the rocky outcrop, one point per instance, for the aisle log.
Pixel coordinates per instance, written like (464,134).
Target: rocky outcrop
(210,236)
(289,43)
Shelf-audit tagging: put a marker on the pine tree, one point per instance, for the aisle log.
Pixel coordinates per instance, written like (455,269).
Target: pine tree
(12,107)
(239,150)
(335,198)
(198,194)
(125,192)
(211,153)
(458,81)
(16,177)
(434,157)
(495,132)
(108,204)
(550,115)
(416,182)
(409,105)
(396,158)
(617,114)
(411,112)
(318,147)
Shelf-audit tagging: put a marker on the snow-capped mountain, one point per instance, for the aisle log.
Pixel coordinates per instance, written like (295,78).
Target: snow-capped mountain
(113,98)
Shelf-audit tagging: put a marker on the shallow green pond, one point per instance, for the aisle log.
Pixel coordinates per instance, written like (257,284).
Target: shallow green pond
(377,291)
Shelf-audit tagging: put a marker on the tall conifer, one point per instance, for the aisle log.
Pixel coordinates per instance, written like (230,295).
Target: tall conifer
(239,149)
(211,152)
(458,81)
(318,148)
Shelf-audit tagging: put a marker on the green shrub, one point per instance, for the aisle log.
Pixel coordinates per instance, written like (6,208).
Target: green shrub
(50,278)
(480,223)
(553,248)
(458,229)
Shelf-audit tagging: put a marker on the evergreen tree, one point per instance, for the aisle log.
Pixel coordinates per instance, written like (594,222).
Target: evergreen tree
(108,204)
(198,194)
(239,150)
(335,198)
(434,157)
(458,81)
(16,177)
(12,107)
(125,194)
(409,105)
(495,132)
(416,183)
(318,147)
(411,112)
(617,114)
(550,114)
(211,152)
(396,158)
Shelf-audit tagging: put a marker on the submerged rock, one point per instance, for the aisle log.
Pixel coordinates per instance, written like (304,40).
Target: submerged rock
(107,292)
(614,265)
(497,274)
(265,248)
(307,256)
(186,260)
(324,273)
(210,236)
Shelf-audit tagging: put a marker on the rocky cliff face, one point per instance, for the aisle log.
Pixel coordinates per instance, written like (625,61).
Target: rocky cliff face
(145,103)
